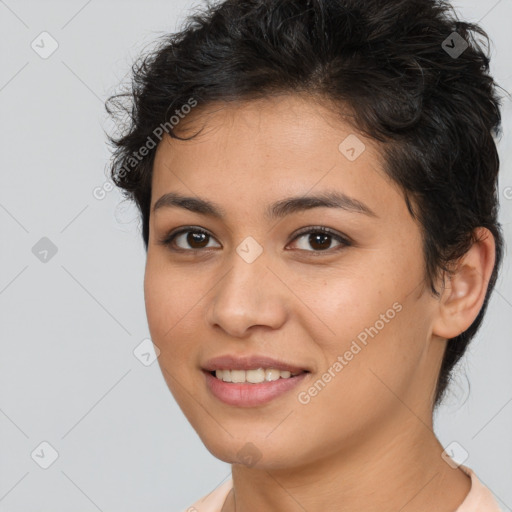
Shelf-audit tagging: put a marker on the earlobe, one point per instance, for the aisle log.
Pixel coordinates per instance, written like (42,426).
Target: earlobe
(465,289)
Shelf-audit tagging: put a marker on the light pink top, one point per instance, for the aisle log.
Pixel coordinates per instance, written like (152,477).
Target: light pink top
(479,498)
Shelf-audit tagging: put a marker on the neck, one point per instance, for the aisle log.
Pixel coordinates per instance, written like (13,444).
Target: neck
(384,472)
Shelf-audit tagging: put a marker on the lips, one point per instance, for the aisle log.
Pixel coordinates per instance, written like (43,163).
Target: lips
(251,395)
(232,362)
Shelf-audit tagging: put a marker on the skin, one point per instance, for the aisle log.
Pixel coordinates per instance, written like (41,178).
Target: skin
(365,442)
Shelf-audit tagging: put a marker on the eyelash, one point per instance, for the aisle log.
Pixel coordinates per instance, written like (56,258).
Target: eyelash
(169,239)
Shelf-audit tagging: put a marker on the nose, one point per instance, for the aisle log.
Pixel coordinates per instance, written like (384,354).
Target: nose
(248,295)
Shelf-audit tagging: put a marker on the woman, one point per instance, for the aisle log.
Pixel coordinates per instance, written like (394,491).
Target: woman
(317,184)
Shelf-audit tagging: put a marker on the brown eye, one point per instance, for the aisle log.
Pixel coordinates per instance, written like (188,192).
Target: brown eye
(196,239)
(320,239)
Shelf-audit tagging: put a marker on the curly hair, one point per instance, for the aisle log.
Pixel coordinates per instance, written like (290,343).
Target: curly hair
(435,112)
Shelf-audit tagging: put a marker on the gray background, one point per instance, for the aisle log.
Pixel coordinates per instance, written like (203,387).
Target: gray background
(69,326)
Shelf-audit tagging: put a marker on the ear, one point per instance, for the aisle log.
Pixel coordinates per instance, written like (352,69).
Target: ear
(464,294)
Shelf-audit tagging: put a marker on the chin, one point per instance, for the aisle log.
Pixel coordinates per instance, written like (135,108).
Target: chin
(250,451)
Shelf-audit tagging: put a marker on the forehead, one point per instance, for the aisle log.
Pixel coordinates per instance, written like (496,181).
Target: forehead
(285,121)
(265,149)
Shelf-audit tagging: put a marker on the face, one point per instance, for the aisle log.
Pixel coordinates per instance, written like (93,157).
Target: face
(348,304)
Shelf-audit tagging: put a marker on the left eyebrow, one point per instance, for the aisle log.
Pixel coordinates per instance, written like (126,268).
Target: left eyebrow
(279,209)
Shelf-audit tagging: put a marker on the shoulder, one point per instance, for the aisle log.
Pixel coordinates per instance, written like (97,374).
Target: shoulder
(213,501)
(480,498)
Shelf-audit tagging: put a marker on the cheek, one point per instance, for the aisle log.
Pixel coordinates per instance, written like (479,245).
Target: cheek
(156,301)
(166,306)
(375,326)
(168,294)
(378,350)
(348,304)
(173,302)
(166,309)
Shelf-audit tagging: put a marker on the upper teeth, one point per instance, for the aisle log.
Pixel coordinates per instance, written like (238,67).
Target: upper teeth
(253,376)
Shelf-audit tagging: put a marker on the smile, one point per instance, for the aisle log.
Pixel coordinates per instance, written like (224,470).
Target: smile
(244,393)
